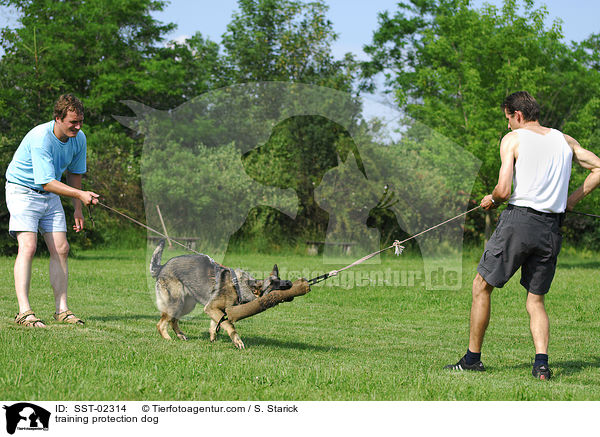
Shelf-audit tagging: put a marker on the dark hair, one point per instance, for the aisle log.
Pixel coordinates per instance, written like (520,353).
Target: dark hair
(66,103)
(524,102)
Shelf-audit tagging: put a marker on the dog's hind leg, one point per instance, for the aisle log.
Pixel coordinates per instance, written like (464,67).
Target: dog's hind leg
(185,306)
(175,325)
(162,326)
(173,302)
(216,315)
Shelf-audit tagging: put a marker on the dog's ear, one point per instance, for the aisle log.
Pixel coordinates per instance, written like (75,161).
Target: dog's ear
(275,271)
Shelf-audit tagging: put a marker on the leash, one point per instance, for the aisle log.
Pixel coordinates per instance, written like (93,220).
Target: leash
(397,245)
(585,213)
(140,224)
(398,248)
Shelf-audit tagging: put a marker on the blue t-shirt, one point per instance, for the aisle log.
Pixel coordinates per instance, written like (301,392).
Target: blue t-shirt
(41,157)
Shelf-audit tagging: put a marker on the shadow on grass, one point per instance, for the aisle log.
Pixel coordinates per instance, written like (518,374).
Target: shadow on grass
(126,317)
(248,340)
(566,368)
(273,342)
(254,341)
(108,256)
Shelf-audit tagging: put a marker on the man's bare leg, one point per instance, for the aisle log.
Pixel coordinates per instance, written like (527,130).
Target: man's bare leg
(22,271)
(59,270)
(480,318)
(538,322)
(480,312)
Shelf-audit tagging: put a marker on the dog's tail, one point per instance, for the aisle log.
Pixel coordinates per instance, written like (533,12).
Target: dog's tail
(155,266)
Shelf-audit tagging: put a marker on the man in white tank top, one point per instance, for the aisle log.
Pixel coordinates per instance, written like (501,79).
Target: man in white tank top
(536,164)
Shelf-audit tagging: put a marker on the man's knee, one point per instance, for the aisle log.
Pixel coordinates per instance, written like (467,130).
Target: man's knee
(535,302)
(58,246)
(62,249)
(27,244)
(481,288)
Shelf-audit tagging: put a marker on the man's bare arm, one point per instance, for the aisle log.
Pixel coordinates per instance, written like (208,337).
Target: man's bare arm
(57,187)
(589,161)
(501,193)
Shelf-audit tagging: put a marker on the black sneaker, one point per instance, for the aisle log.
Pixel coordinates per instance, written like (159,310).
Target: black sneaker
(462,365)
(542,372)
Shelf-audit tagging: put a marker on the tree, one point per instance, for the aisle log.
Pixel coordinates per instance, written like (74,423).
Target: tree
(290,40)
(98,51)
(80,47)
(585,127)
(450,66)
(286,40)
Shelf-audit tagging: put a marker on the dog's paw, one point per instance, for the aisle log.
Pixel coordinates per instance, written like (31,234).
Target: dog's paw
(182,337)
(237,341)
(240,345)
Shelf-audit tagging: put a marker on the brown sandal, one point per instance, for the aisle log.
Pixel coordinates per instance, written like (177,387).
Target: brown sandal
(21,319)
(68,317)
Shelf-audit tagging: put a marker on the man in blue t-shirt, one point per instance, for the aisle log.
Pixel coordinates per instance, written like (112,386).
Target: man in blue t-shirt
(33,188)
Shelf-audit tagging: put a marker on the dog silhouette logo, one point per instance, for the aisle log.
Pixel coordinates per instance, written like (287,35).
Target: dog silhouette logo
(26,416)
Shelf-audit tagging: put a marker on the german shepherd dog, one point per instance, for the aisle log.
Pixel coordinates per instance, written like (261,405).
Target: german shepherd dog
(186,280)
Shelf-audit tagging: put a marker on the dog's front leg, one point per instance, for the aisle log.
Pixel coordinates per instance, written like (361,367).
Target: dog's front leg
(216,315)
(213,330)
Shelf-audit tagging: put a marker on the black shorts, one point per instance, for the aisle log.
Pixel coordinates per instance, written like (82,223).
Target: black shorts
(527,239)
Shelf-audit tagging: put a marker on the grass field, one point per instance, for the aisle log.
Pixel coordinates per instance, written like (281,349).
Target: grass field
(336,343)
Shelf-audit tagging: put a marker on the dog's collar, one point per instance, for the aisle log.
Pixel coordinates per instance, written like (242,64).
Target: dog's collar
(234,279)
(236,284)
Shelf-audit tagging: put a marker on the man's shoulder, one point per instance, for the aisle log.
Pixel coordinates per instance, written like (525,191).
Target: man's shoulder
(39,135)
(570,140)
(80,140)
(512,134)
(45,127)
(41,129)
(511,138)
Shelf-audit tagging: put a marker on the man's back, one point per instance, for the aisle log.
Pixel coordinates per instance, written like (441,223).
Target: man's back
(542,170)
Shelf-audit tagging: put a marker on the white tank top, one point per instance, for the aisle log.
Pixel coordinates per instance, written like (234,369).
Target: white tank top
(542,171)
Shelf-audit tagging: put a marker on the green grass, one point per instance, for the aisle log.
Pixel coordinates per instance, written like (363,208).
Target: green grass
(335,343)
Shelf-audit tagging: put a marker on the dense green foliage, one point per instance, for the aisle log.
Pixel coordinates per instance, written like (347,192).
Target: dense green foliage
(447,64)
(122,56)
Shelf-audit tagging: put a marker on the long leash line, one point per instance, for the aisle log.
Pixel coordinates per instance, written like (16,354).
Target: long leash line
(144,226)
(397,245)
(585,213)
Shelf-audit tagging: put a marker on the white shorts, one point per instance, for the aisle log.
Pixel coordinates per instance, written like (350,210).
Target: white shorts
(31,211)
